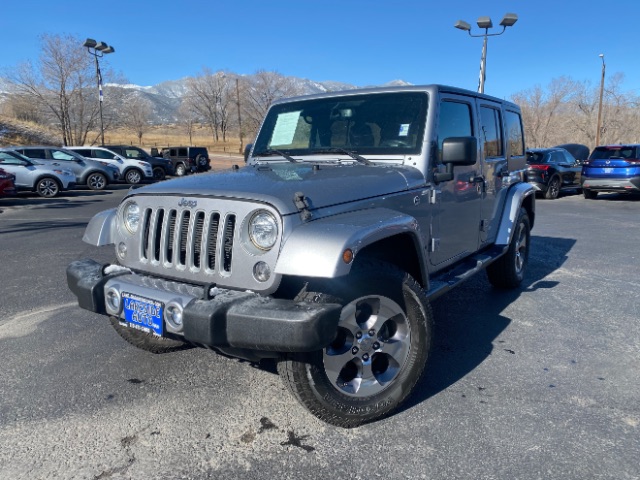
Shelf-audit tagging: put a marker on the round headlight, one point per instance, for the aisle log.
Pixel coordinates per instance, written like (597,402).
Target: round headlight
(263,230)
(131,216)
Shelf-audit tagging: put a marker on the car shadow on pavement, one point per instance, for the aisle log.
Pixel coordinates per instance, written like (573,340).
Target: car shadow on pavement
(469,319)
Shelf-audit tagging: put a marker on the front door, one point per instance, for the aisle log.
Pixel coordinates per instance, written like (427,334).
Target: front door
(456,221)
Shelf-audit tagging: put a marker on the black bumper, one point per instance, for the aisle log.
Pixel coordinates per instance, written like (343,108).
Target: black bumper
(230,319)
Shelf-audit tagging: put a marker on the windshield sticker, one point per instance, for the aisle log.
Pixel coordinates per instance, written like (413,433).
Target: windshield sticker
(285,128)
(404,130)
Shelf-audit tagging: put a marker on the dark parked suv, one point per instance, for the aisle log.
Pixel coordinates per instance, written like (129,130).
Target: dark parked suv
(187,159)
(611,168)
(551,170)
(161,166)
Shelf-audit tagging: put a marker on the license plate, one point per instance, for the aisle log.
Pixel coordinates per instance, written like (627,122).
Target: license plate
(608,170)
(143,313)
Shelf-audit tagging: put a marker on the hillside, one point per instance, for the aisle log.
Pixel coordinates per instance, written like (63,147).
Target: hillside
(16,132)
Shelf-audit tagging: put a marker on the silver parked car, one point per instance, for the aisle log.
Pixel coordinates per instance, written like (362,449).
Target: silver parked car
(46,180)
(131,171)
(93,173)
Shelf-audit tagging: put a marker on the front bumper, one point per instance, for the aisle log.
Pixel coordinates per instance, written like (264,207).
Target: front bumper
(229,319)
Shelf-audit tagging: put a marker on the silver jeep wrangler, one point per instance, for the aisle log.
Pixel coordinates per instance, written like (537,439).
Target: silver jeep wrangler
(354,211)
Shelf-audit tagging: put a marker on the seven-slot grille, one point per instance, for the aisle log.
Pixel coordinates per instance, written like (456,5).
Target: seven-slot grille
(187,239)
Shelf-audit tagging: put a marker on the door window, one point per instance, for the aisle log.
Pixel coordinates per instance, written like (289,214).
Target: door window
(455,121)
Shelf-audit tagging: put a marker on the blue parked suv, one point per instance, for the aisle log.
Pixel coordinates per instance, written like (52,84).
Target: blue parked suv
(611,168)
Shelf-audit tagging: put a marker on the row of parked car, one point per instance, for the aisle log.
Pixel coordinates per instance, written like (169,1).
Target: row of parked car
(49,170)
(609,168)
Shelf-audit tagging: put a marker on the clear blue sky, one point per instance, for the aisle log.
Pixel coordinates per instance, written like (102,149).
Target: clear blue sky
(353,41)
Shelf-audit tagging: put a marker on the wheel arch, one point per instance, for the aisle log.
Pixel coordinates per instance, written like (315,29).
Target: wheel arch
(315,249)
(521,195)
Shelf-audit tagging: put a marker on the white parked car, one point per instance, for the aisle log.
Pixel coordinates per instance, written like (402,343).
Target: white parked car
(46,180)
(131,171)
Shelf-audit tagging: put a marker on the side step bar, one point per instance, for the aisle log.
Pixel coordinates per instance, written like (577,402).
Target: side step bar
(448,279)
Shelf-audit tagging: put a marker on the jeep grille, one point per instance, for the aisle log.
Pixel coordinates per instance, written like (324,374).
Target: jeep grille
(201,243)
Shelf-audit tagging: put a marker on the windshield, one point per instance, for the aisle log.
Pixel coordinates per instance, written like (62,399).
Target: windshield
(375,124)
(135,153)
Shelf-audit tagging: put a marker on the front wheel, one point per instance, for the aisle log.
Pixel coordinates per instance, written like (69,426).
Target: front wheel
(133,176)
(158,173)
(508,270)
(47,187)
(379,351)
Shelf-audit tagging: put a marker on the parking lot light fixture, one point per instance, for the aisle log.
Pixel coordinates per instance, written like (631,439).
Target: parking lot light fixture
(98,50)
(485,23)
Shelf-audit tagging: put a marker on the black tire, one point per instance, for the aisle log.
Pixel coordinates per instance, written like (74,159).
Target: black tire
(147,341)
(159,173)
(97,181)
(508,271)
(133,176)
(589,194)
(181,170)
(379,353)
(553,189)
(47,187)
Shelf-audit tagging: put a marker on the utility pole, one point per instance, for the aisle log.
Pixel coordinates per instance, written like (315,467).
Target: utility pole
(239,115)
(599,126)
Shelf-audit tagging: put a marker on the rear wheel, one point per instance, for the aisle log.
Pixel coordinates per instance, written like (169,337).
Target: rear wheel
(133,176)
(147,341)
(48,187)
(589,194)
(181,170)
(96,181)
(508,270)
(379,351)
(553,190)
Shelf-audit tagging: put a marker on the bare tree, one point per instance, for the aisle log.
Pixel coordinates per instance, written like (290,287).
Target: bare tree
(210,96)
(260,91)
(135,116)
(188,118)
(62,85)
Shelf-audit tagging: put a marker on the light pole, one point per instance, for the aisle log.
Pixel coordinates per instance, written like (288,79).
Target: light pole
(485,22)
(98,50)
(598,127)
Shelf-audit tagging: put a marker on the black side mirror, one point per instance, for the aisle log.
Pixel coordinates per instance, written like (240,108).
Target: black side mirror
(247,151)
(457,151)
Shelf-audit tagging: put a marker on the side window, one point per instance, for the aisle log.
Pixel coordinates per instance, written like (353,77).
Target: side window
(60,155)
(85,152)
(182,152)
(568,158)
(103,154)
(35,153)
(515,138)
(557,157)
(454,121)
(491,134)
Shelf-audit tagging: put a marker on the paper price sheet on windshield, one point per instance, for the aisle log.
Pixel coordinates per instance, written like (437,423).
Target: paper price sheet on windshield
(285,128)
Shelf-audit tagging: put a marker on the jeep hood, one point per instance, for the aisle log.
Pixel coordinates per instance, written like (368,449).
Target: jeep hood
(276,184)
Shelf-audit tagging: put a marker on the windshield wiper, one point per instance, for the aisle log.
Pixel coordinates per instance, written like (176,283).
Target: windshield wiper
(353,155)
(272,151)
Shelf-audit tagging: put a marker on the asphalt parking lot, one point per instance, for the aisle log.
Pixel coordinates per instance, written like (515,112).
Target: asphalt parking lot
(540,383)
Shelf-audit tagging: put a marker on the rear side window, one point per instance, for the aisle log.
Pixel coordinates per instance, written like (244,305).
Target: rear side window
(491,134)
(103,154)
(182,152)
(515,138)
(85,152)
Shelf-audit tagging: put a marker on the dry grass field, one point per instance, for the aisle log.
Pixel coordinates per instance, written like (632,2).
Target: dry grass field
(172,135)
